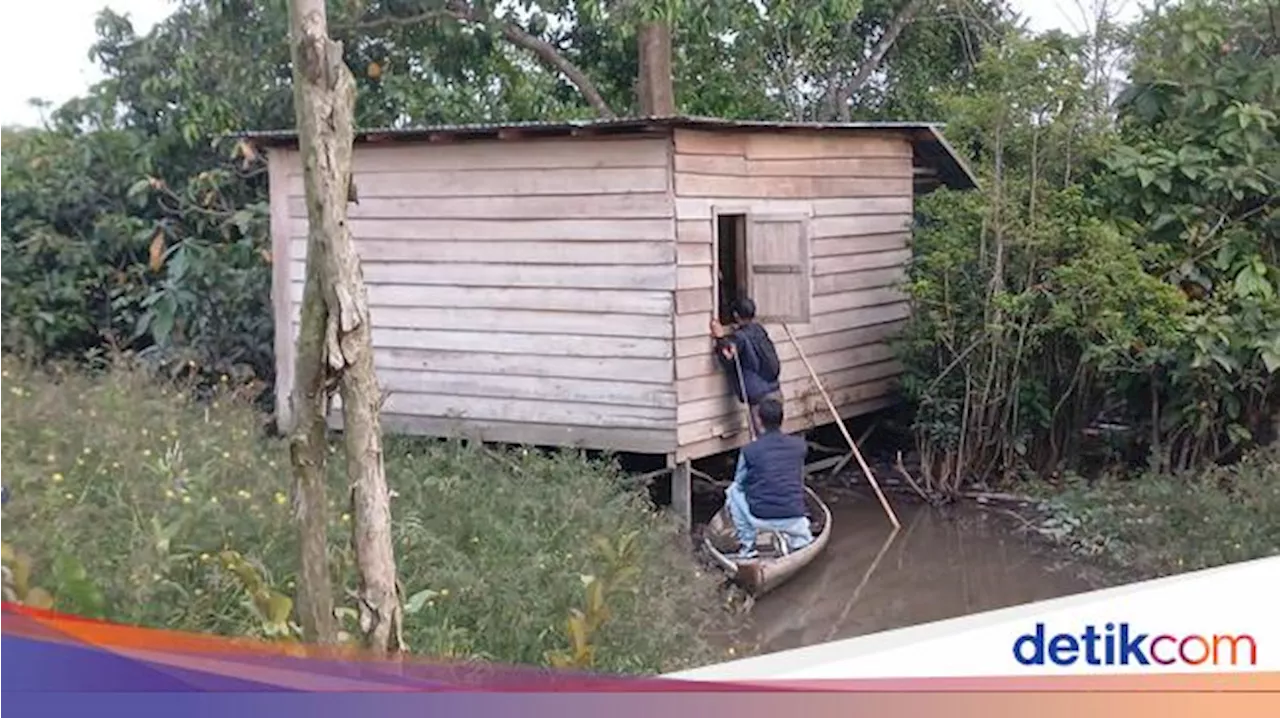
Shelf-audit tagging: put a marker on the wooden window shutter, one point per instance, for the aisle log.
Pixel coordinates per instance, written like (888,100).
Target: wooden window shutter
(778,263)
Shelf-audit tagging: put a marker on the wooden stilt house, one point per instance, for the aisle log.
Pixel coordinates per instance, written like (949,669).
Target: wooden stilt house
(553,283)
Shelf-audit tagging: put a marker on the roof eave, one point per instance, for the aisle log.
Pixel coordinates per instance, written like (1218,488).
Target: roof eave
(951,168)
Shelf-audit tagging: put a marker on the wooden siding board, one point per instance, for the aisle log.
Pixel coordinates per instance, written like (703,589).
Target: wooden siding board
(561,276)
(646,371)
(693,209)
(532,154)
(646,441)
(840,246)
(487,252)
(549,346)
(510,320)
(503,182)
(635,205)
(615,301)
(791,187)
(514,386)
(494,230)
(278,162)
(534,411)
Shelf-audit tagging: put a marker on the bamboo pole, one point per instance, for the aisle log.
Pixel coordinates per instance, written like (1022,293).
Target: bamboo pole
(888,510)
(742,384)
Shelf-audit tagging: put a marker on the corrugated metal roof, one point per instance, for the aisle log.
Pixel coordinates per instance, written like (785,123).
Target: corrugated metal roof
(931,149)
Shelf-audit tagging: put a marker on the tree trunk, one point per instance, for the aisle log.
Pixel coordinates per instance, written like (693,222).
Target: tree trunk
(655,87)
(844,96)
(309,456)
(324,99)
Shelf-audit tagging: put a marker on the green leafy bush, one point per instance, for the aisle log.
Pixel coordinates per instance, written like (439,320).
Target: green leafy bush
(1159,524)
(179,513)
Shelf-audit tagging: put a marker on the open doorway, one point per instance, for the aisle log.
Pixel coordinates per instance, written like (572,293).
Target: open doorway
(731,262)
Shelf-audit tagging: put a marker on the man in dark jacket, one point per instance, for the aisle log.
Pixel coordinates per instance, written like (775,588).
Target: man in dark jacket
(743,343)
(767,493)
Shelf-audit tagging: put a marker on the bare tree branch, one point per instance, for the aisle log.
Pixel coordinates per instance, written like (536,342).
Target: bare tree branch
(860,76)
(547,53)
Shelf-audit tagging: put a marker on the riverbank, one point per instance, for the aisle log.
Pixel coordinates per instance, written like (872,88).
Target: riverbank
(1130,525)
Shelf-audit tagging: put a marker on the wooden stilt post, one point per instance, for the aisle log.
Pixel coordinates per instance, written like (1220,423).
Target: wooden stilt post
(682,493)
(888,510)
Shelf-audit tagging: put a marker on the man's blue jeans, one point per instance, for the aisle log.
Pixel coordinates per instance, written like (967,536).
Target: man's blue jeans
(796,531)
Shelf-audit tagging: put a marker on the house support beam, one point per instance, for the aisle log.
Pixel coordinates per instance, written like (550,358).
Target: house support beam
(682,493)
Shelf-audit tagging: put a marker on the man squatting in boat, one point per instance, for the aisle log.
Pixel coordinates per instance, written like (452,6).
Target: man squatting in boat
(767,493)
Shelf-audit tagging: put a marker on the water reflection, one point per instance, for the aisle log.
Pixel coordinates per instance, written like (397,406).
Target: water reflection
(941,564)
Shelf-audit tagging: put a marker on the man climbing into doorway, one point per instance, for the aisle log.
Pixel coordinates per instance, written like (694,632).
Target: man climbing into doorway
(767,493)
(747,353)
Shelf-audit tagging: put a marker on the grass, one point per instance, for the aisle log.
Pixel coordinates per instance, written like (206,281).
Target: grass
(1152,525)
(123,491)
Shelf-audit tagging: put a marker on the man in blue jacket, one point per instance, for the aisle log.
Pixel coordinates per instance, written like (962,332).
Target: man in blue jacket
(745,348)
(767,493)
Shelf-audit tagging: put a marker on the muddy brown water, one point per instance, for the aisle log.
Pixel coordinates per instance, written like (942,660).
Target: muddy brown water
(942,563)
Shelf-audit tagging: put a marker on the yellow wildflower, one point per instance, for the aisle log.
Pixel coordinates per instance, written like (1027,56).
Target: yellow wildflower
(69,495)
(86,451)
(57,477)
(205,557)
(281,498)
(146,452)
(243,494)
(226,455)
(213,499)
(50,458)
(186,499)
(168,494)
(346,518)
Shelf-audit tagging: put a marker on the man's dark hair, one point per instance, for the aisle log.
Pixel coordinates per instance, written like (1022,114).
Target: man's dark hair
(744,308)
(771,414)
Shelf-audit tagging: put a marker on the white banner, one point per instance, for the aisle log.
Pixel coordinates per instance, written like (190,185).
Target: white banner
(1224,619)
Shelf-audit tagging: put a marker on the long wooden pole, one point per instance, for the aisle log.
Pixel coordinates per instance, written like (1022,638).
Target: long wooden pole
(893,518)
(742,384)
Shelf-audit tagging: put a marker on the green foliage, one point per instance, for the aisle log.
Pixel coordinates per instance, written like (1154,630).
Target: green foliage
(1199,168)
(177,514)
(1125,272)
(123,227)
(1158,524)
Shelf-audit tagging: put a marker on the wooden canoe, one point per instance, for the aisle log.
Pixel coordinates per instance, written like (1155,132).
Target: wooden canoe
(769,570)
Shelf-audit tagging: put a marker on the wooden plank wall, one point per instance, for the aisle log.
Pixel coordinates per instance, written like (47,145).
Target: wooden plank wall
(520,291)
(857,191)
